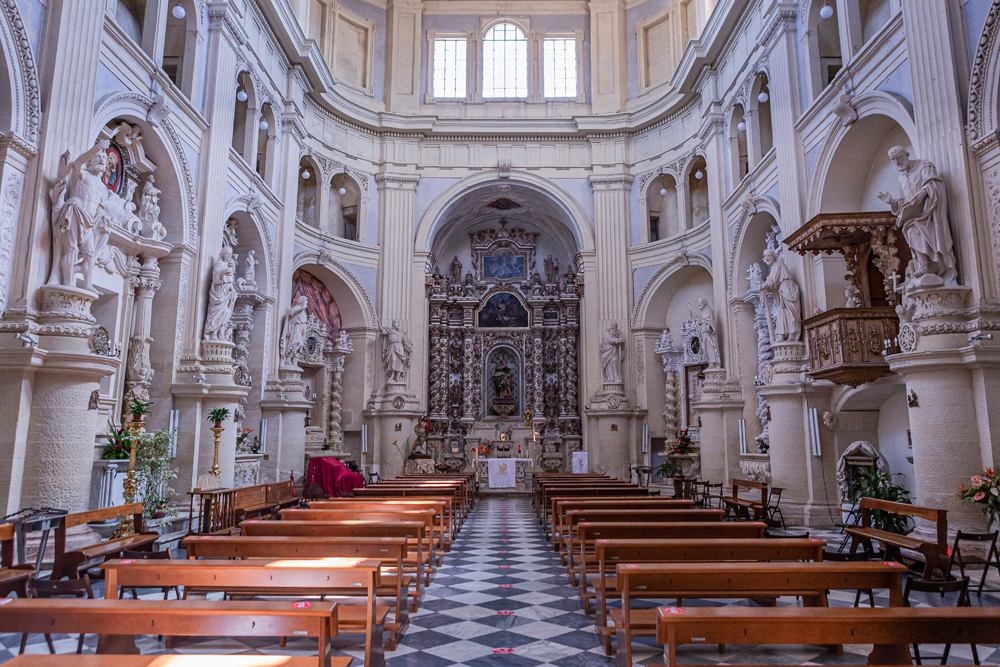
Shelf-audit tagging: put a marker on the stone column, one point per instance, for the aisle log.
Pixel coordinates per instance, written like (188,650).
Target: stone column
(139,371)
(284,406)
(720,409)
(337,359)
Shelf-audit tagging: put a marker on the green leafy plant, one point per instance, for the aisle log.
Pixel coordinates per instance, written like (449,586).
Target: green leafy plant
(763,446)
(985,491)
(154,472)
(668,469)
(242,436)
(255,446)
(326,445)
(137,409)
(684,444)
(218,415)
(870,483)
(119,445)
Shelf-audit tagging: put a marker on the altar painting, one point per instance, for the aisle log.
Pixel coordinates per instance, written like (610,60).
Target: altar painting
(321,302)
(503,383)
(503,310)
(503,265)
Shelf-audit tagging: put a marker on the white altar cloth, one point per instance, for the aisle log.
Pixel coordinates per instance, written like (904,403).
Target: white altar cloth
(580,463)
(501,472)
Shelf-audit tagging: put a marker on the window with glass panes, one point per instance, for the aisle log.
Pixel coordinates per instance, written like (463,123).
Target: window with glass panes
(559,67)
(449,67)
(505,62)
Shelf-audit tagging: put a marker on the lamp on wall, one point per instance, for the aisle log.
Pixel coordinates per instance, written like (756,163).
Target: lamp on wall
(663,192)
(826,12)
(263,124)
(306,174)
(763,97)
(741,126)
(178,11)
(699,174)
(241,95)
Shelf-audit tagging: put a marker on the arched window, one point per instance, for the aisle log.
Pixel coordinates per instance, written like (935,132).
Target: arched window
(344,199)
(505,62)
(246,107)
(661,203)
(762,139)
(825,55)
(306,204)
(179,44)
(265,138)
(697,200)
(738,155)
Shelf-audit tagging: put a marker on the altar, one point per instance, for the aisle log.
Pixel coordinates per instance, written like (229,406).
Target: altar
(505,478)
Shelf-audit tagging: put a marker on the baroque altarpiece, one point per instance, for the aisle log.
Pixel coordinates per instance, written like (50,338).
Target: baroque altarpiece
(503,352)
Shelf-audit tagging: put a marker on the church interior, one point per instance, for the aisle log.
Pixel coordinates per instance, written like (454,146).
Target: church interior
(476,333)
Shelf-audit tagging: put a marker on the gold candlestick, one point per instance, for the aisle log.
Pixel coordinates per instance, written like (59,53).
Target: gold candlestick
(217,431)
(130,486)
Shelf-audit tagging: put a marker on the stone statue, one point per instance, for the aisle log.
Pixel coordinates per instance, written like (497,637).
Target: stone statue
(79,221)
(250,272)
(551,265)
(502,381)
(456,271)
(922,214)
(343,342)
(706,331)
(612,354)
(221,297)
(853,296)
(755,276)
(787,319)
(397,350)
(293,335)
(666,342)
(149,209)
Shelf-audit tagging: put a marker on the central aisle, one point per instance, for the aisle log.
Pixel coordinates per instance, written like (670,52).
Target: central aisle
(500,563)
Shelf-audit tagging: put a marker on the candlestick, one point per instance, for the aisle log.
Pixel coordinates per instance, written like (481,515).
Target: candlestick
(217,431)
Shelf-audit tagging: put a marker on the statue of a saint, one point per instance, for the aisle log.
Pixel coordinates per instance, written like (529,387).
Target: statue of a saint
(755,276)
(706,331)
(221,297)
(922,214)
(149,202)
(612,354)
(502,380)
(787,318)
(456,271)
(853,296)
(250,270)
(666,342)
(79,222)
(551,265)
(293,335)
(397,350)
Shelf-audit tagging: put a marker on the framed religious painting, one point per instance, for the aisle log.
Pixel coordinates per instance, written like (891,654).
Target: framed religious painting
(503,310)
(504,265)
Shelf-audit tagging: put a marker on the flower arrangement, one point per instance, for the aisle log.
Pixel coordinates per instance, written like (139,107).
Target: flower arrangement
(763,446)
(485,449)
(684,445)
(984,490)
(119,445)
(155,473)
(242,436)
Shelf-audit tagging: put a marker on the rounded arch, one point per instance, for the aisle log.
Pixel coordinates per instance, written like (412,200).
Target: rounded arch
(760,113)
(239,207)
(356,307)
(697,191)
(160,140)
(508,20)
(757,211)
(310,175)
(822,45)
(739,156)
(868,106)
(345,204)
(984,83)
(20,111)
(677,271)
(435,217)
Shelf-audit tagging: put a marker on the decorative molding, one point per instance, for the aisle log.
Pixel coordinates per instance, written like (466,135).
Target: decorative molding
(982,86)
(26,75)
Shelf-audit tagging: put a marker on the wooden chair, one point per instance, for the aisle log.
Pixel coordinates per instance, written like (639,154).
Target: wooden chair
(13,578)
(959,586)
(67,588)
(774,508)
(72,563)
(992,556)
(712,492)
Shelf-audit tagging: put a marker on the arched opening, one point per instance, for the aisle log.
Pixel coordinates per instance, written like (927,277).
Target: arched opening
(662,206)
(345,197)
(180,44)
(873,14)
(505,62)
(7,95)
(825,55)
(697,207)
(266,134)
(307,204)
(760,108)
(243,118)
(130,15)
(738,155)
(881,407)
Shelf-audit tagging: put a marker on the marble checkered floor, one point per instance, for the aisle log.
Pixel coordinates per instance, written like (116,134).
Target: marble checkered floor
(502,600)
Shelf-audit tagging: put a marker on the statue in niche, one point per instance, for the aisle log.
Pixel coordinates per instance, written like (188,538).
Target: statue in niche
(705,317)
(755,276)
(397,350)
(922,214)
(250,272)
(456,271)
(787,318)
(551,265)
(666,342)
(502,382)
(79,221)
(612,354)
(551,398)
(221,297)
(293,335)
(149,209)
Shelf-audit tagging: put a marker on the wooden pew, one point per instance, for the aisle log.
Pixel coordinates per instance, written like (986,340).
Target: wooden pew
(433,520)
(639,502)
(460,488)
(452,524)
(286,578)
(889,629)
(181,618)
(737,580)
(538,480)
(466,482)
(636,515)
(935,553)
(742,507)
(13,578)
(282,494)
(392,491)
(390,551)
(552,495)
(71,563)
(611,552)
(413,531)
(187,660)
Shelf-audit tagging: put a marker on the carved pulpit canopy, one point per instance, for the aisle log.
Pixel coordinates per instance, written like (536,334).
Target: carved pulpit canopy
(846,345)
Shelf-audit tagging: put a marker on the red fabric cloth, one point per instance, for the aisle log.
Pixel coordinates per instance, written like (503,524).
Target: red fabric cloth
(335,478)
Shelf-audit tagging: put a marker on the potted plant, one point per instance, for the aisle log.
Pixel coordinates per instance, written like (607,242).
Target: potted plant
(154,473)
(119,445)
(668,469)
(870,483)
(138,409)
(684,445)
(985,491)
(218,415)
(763,446)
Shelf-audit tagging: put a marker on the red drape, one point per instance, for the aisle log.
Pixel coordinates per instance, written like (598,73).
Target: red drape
(335,478)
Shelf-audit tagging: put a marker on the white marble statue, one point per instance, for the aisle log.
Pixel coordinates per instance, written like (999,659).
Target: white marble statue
(397,350)
(293,334)
(80,224)
(787,316)
(612,354)
(922,213)
(250,271)
(221,297)
(705,317)
(755,276)
(853,296)
(149,209)
(666,342)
